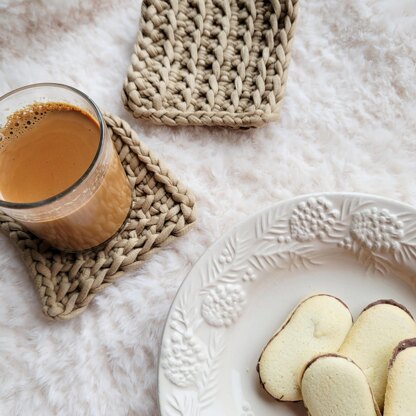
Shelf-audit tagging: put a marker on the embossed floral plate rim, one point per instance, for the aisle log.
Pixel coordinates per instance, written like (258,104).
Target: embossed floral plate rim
(379,232)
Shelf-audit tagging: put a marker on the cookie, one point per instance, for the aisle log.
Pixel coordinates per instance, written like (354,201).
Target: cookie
(333,385)
(372,339)
(318,325)
(400,399)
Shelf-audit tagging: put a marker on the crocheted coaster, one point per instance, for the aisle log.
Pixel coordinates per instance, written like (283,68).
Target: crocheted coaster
(162,210)
(211,62)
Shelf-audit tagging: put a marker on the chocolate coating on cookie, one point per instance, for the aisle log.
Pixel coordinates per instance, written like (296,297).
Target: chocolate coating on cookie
(388,302)
(403,345)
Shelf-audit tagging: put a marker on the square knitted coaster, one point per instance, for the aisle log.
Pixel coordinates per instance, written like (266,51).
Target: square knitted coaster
(211,62)
(162,209)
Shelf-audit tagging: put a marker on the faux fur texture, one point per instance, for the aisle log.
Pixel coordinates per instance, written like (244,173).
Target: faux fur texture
(348,124)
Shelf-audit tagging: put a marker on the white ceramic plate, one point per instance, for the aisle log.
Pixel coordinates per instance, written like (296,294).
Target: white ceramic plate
(359,248)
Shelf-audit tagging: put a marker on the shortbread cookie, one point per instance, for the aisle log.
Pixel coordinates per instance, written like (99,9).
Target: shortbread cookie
(400,399)
(372,339)
(318,325)
(333,385)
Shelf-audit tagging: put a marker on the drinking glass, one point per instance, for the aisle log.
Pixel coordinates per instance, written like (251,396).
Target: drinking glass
(92,209)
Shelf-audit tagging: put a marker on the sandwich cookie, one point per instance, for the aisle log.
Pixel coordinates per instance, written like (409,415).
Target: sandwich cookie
(318,325)
(400,399)
(372,339)
(333,385)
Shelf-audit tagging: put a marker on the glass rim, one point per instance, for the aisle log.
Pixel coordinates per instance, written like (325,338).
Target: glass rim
(81,179)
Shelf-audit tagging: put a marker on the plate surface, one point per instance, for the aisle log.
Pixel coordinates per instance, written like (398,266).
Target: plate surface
(357,247)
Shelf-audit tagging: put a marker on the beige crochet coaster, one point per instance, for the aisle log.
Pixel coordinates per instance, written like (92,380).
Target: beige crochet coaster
(211,62)
(162,210)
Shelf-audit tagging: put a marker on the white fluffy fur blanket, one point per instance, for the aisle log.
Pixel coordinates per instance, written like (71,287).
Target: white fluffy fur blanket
(348,124)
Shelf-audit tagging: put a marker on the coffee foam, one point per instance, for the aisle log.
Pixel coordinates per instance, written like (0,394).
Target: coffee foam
(18,123)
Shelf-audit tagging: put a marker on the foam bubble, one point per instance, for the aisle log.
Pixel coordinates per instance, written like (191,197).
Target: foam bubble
(26,118)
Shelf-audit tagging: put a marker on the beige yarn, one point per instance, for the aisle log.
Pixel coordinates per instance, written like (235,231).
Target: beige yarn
(211,62)
(162,210)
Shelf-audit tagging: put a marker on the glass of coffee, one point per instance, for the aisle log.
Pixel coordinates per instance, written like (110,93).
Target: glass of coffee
(60,175)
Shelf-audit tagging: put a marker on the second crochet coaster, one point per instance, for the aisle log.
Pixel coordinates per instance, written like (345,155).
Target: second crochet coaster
(211,62)
(162,210)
